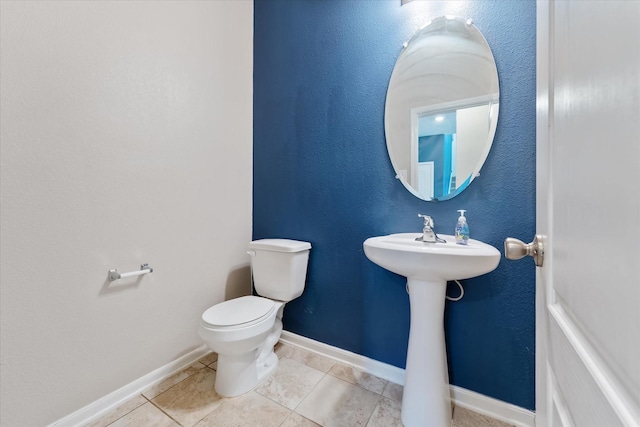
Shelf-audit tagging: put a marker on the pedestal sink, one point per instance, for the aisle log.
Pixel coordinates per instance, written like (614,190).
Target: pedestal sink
(427,266)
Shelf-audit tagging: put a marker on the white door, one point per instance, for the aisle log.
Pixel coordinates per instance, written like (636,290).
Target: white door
(425,179)
(588,206)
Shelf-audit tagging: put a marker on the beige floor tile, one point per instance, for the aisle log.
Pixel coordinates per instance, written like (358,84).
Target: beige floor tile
(393,391)
(386,414)
(145,416)
(191,400)
(309,358)
(465,418)
(290,383)
(281,347)
(174,379)
(356,376)
(346,397)
(118,412)
(334,402)
(248,410)
(297,420)
(209,358)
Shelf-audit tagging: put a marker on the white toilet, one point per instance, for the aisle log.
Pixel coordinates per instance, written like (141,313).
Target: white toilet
(244,330)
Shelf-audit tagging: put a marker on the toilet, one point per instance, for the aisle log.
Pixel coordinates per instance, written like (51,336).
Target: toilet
(244,330)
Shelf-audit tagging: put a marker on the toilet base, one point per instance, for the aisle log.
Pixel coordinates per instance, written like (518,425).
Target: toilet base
(238,374)
(241,371)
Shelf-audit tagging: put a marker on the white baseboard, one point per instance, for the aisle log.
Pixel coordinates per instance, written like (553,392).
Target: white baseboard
(465,398)
(379,369)
(491,407)
(468,399)
(113,400)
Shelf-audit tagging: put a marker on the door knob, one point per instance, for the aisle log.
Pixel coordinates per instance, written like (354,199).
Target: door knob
(516,249)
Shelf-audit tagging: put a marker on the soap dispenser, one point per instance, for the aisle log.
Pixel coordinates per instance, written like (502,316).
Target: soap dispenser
(462,229)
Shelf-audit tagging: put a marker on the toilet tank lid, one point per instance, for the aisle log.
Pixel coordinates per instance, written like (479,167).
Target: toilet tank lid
(280,245)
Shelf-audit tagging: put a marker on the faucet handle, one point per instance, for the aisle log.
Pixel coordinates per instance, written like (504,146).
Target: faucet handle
(428,221)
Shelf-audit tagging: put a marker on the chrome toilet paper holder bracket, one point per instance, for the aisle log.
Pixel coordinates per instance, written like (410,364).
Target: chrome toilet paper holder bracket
(144,269)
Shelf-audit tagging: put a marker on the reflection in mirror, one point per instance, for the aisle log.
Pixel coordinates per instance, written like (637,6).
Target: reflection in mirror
(442,108)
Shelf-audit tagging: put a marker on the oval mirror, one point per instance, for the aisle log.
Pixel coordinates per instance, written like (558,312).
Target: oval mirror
(441,110)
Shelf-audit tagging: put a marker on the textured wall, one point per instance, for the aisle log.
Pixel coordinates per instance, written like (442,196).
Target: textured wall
(126,138)
(322,174)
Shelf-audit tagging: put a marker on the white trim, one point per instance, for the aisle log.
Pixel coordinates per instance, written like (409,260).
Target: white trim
(98,408)
(379,369)
(544,206)
(476,402)
(452,106)
(610,389)
(494,408)
(414,144)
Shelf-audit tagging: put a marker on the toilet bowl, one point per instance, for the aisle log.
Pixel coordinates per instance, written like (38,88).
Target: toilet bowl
(244,330)
(240,331)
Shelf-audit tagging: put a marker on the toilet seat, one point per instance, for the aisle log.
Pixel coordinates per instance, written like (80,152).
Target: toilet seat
(238,313)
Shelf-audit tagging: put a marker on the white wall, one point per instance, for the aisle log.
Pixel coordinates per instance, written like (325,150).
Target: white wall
(126,131)
(471,139)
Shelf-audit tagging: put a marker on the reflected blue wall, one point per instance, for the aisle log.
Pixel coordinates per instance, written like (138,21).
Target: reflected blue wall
(322,174)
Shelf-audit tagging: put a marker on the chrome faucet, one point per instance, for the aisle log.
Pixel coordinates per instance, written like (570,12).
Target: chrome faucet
(428,233)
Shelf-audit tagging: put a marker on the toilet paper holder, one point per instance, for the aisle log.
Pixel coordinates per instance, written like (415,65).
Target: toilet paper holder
(144,269)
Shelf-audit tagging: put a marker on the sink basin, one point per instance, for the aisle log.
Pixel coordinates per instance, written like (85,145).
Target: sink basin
(426,400)
(403,255)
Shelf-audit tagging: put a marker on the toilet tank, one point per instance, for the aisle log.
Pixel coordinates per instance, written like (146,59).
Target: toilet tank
(279,267)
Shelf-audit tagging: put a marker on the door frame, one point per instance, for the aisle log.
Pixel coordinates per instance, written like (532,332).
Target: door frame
(543,203)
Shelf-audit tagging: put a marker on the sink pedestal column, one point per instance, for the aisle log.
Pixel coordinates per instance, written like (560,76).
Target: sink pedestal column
(426,399)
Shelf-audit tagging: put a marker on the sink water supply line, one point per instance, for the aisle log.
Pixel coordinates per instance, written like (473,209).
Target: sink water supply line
(458,298)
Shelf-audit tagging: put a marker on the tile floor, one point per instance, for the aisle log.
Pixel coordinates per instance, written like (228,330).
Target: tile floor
(306,389)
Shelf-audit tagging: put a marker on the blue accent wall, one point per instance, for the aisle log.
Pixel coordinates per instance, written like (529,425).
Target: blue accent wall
(322,174)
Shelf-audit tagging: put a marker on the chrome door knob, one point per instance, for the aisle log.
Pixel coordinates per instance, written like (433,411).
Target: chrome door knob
(515,249)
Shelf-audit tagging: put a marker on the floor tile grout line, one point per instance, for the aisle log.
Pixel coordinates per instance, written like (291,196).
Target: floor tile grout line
(337,362)
(358,385)
(379,400)
(380,397)
(224,399)
(127,413)
(188,376)
(324,374)
(184,379)
(179,372)
(277,403)
(300,415)
(328,372)
(170,417)
(305,396)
